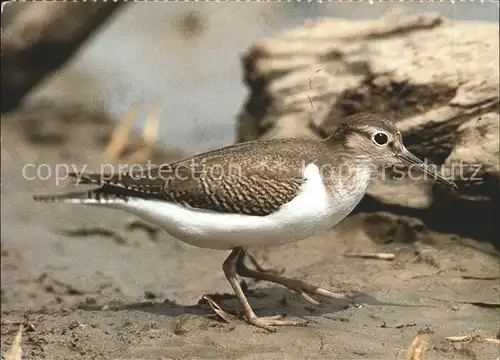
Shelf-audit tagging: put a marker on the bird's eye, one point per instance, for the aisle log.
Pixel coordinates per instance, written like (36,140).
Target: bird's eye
(380,138)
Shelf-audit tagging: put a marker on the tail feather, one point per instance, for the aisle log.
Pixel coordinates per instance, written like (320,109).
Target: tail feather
(95,196)
(112,189)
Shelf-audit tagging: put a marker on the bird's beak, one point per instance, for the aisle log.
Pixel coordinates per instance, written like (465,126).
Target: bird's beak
(409,159)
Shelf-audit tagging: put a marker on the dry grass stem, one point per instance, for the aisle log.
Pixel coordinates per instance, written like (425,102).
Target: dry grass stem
(492,341)
(458,338)
(310,101)
(473,277)
(121,134)
(417,348)
(472,338)
(15,352)
(149,137)
(379,256)
(483,304)
(150,132)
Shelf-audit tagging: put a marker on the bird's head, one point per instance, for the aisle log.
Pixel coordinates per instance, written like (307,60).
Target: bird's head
(377,142)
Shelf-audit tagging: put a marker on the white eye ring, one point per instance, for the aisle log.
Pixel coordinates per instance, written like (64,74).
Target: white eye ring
(380,138)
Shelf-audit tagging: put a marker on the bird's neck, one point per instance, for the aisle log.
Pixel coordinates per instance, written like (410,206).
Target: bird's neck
(349,172)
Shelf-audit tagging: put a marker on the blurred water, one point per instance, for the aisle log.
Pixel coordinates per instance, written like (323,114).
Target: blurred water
(147,54)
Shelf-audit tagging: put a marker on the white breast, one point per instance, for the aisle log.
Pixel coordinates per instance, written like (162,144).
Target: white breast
(311,211)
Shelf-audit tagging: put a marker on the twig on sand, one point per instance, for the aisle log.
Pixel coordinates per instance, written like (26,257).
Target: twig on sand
(97,230)
(417,348)
(472,338)
(459,338)
(492,340)
(483,304)
(474,277)
(379,256)
(310,101)
(15,352)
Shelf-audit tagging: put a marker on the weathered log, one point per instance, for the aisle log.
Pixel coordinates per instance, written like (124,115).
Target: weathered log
(42,37)
(437,79)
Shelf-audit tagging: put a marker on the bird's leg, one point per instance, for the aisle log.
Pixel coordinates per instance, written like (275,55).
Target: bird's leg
(229,267)
(299,286)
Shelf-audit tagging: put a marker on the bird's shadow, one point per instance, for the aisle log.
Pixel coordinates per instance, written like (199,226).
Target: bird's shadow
(264,301)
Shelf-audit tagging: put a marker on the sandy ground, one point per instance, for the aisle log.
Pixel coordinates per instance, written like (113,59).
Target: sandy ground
(140,296)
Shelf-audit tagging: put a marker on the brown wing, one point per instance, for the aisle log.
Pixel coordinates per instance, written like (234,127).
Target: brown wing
(253,178)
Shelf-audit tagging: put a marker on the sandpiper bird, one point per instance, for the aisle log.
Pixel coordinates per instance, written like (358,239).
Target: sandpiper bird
(257,193)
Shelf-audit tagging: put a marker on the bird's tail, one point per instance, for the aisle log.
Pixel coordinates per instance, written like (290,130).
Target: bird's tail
(95,196)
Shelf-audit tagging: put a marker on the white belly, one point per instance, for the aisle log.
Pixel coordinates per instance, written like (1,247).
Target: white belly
(310,212)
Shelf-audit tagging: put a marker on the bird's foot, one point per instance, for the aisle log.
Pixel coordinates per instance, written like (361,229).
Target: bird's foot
(266,322)
(269,322)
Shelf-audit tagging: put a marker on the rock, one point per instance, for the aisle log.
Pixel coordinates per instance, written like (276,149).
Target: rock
(475,158)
